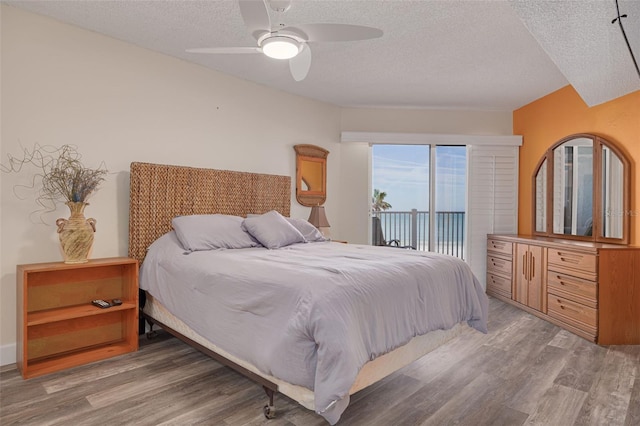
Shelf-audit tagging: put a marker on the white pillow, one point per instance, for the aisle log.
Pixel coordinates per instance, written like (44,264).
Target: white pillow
(211,231)
(272,230)
(308,231)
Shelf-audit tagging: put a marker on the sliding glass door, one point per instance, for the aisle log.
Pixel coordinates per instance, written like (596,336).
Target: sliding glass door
(450,199)
(407,180)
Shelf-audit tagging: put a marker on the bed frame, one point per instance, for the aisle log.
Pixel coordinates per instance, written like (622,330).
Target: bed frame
(158,193)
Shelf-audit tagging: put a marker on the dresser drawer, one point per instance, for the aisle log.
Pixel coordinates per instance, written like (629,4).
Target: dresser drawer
(576,289)
(576,314)
(573,263)
(497,265)
(498,246)
(499,284)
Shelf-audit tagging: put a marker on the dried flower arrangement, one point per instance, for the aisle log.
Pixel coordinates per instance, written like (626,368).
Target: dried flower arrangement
(61,177)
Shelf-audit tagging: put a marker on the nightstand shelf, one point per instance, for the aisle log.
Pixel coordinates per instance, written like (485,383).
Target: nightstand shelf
(79,311)
(59,328)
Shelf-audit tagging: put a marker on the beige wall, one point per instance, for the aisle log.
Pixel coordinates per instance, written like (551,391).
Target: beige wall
(119,103)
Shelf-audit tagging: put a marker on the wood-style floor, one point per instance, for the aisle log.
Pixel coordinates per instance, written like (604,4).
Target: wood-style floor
(525,371)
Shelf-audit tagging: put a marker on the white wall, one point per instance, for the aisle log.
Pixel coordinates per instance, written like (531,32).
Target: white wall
(460,122)
(119,103)
(354,193)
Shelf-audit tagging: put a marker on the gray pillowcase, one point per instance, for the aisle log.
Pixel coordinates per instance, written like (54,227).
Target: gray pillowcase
(272,230)
(211,231)
(308,231)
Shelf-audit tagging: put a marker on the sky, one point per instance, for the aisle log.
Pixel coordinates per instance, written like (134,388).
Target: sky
(402,171)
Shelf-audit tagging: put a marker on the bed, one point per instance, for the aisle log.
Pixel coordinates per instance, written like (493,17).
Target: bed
(315,321)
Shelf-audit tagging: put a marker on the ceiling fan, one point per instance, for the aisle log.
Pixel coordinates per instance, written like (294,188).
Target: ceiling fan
(288,42)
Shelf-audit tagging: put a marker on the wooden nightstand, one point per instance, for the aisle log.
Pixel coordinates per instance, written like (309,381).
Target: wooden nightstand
(59,328)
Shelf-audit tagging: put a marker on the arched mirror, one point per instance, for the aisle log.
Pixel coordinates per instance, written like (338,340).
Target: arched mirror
(311,175)
(614,199)
(540,186)
(573,187)
(581,191)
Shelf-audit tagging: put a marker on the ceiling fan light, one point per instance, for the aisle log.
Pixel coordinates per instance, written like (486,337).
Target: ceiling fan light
(280,47)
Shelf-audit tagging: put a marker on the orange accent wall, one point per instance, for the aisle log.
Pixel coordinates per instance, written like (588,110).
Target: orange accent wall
(562,113)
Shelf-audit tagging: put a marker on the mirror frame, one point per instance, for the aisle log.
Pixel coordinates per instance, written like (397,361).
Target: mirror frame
(598,208)
(314,154)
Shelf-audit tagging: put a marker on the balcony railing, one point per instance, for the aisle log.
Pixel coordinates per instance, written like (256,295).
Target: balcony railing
(411,228)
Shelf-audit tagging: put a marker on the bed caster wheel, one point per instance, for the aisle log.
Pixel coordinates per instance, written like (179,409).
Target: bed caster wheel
(151,334)
(269,411)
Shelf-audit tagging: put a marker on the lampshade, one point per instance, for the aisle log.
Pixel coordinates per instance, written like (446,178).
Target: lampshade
(318,218)
(280,47)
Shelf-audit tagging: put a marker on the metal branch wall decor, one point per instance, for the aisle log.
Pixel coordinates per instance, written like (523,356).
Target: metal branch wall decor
(624,34)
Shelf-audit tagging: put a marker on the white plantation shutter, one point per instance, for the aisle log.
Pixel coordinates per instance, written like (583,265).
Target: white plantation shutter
(492,200)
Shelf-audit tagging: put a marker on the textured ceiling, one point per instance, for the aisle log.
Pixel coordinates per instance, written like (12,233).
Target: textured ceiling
(586,47)
(481,54)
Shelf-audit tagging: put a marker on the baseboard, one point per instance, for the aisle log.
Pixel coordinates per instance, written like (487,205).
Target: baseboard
(8,354)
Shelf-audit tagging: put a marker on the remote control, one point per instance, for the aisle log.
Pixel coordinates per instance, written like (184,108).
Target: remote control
(100,303)
(116,302)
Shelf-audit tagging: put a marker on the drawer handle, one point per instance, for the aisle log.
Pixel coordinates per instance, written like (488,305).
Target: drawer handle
(569,254)
(569,257)
(567,284)
(533,266)
(566,308)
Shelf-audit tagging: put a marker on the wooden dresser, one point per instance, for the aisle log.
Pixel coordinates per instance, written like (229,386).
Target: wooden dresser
(590,289)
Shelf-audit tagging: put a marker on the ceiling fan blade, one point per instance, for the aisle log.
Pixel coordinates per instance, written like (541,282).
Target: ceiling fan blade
(225,50)
(301,63)
(335,32)
(255,16)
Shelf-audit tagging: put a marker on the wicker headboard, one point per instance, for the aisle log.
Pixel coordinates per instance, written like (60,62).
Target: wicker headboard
(160,192)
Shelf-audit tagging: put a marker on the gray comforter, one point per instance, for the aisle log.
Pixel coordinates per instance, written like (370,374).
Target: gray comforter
(313,314)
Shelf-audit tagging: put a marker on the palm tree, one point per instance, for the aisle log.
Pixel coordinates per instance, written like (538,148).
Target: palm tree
(377,202)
